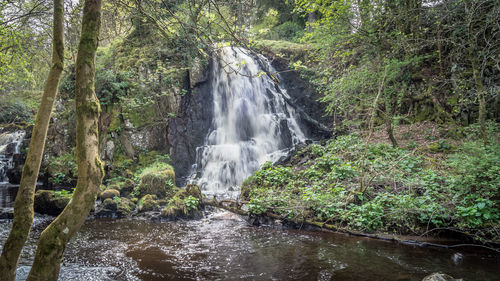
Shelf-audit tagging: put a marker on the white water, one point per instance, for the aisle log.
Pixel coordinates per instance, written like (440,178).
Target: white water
(252,124)
(10,144)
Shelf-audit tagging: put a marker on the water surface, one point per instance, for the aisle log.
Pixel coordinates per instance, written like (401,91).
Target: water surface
(224,247)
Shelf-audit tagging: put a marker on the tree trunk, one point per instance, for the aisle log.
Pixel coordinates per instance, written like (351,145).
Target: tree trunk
(90,169)
(388,121)
(23,206)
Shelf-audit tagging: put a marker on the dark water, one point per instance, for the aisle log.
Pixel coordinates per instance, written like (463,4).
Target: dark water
(223,247)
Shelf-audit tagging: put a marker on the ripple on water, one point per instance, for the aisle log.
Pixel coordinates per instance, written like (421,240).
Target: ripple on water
(223,247)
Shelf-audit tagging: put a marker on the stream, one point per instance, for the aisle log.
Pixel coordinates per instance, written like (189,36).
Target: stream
(222,246)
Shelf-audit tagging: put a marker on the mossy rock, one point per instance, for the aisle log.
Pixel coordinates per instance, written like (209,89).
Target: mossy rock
(193,190)
(148,203)
(157,179)
(181,206)
(109,204)
(46,202)
(125,207)
(127,187)
(109,193)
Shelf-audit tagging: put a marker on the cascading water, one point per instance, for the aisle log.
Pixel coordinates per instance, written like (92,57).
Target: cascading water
(10,144)
(252,123)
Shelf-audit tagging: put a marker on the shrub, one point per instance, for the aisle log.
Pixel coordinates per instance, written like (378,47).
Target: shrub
(14,112)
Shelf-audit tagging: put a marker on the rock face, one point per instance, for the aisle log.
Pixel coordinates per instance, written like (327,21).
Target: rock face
(189,129)
(440,277)
(304,98)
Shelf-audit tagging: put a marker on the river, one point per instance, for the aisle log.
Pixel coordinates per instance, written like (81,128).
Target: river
(222,246)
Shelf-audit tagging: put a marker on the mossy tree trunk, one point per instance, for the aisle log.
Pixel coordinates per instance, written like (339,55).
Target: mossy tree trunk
(23,206)
(90,169)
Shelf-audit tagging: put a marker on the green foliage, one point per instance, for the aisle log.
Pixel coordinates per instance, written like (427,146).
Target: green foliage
(14,112)
(63,193)
(191,202)
(403,194)
(62,170)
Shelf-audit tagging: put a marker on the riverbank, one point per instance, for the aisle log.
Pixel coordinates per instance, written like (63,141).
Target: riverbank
(436,185)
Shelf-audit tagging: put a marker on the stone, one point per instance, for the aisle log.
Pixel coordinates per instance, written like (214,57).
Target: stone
(109,150)
(109,193)
(147,203)
(125,207)
(198,73)
(47,202)
(158,180)
(440,277)
(109,204)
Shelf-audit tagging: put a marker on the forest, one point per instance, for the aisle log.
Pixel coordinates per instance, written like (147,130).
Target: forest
(249,139)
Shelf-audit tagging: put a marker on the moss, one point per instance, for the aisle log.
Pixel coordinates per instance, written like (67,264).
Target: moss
(177,208)
(49,202)
(157,179)
(280,47)
(109,193)
(125,207)
(147,203)
(109,204)
(139,117)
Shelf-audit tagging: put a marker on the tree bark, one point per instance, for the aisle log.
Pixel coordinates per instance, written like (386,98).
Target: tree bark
(23,206)
(388,121)
(90,169)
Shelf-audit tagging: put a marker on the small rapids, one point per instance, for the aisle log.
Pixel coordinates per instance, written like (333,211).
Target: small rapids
(10,145)
(252,123)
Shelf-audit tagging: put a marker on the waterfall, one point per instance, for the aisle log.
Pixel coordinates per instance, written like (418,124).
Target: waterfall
(10,144)
(252,123)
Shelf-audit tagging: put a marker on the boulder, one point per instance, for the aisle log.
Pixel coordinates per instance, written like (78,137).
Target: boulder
(49,203)
(125,207)
(157,179)
(109,193)
(147,203)
(440,277)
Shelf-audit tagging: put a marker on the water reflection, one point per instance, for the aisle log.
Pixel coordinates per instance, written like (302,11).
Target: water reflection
(223,247)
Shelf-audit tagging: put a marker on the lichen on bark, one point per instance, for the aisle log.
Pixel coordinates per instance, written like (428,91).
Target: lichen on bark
(90,172)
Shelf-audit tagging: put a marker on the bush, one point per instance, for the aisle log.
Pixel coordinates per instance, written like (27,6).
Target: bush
(62,170)
(289,30)
(14,112)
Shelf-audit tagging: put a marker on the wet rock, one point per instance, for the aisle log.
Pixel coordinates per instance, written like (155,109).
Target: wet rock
(440,277)
(6,213)
(187,131)
(109,193)
(47,202)
(109,204)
